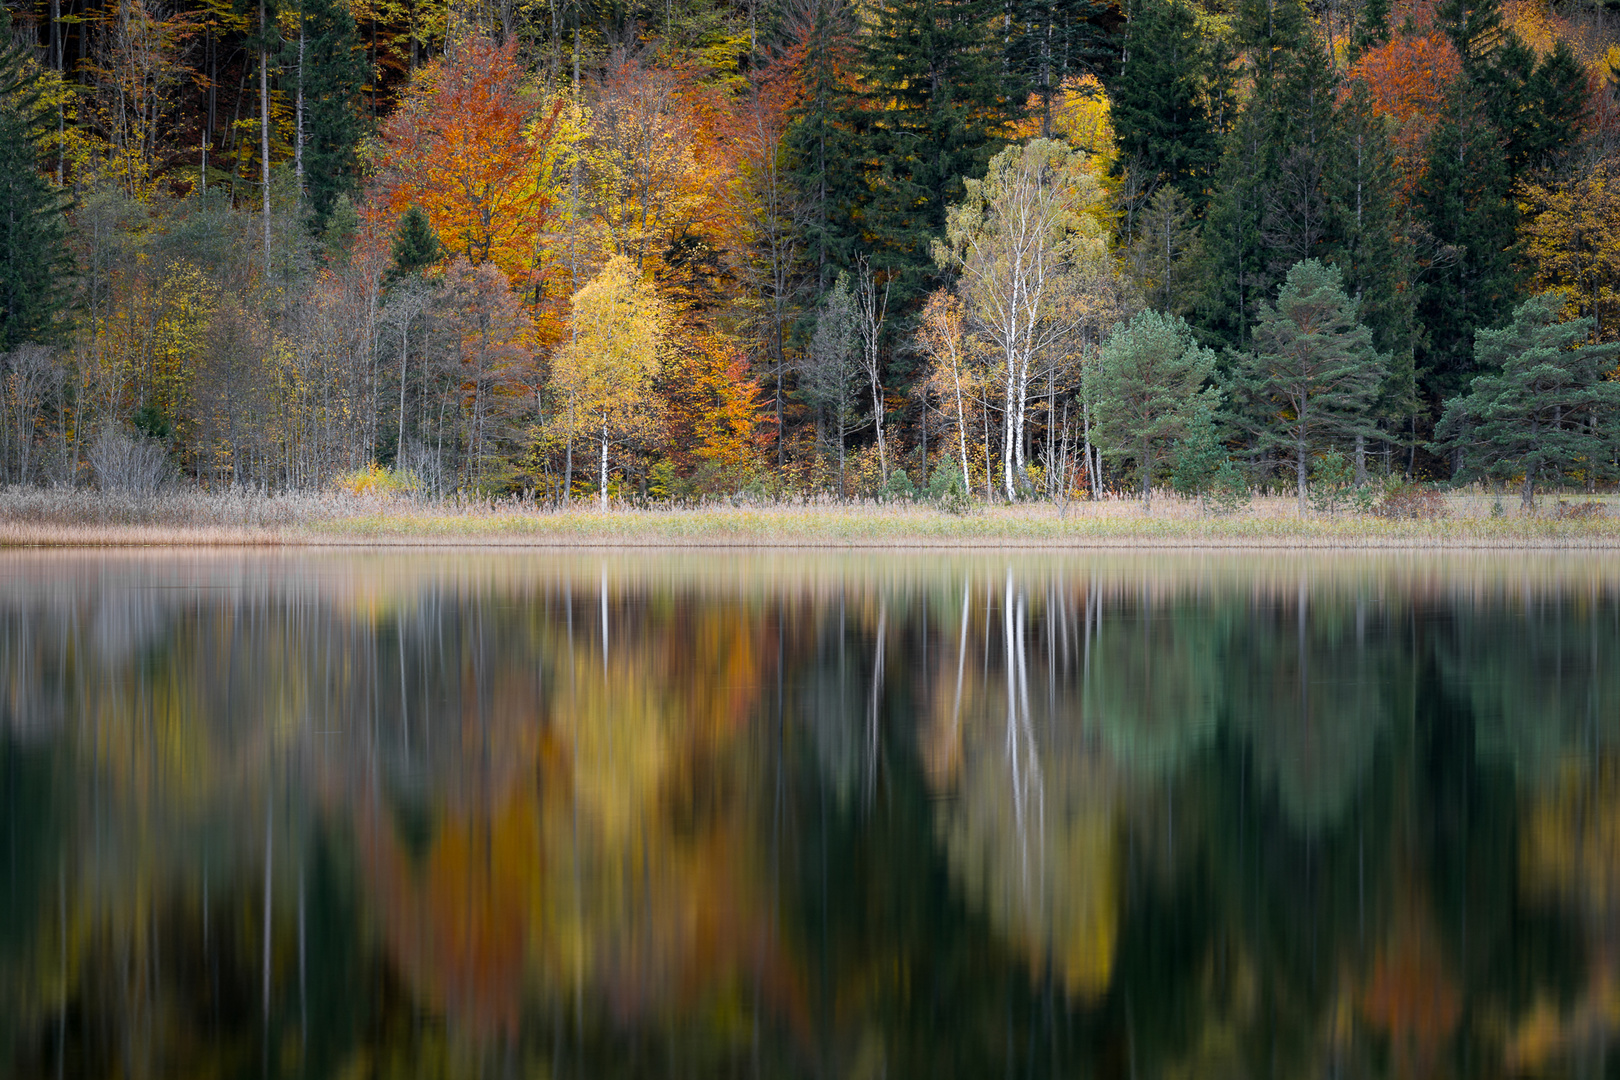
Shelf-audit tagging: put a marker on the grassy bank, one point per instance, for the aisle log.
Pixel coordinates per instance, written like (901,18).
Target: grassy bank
(38,518)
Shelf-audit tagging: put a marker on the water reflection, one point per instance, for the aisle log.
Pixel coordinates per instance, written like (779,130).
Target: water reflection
(547,815)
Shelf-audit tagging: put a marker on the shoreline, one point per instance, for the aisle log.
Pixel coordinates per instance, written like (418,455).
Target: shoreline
(80,520)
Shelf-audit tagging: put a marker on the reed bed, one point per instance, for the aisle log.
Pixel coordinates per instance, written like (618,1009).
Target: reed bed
(32,517)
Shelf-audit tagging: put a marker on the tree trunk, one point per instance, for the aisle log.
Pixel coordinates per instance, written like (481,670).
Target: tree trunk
(604,465)
(264,135)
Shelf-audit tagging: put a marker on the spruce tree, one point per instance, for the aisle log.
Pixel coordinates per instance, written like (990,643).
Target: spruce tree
(334,73)
(416,246)
(819,144)
(935,110)
(1465,201)
(1545,410)
(1050,41)
(1159,101)
(1309,384)
(34,264)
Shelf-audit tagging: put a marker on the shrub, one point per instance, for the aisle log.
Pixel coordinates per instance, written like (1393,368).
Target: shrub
(1585,511)
(375,479)
(133,465)
(1410,502)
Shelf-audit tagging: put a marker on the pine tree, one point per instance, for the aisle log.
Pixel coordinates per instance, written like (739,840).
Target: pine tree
(1149,391)
(1310,382)
(1158,103)
(334,73)
(34,264)
(1545,409)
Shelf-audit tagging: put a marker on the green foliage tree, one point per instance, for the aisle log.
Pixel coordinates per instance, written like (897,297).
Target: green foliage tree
(333,73)
(1050,41)
(34,264)
(1313,375)
(935,109)
(416,246)
(820,142)
(1545,410)
(1149,389)
(1159,102)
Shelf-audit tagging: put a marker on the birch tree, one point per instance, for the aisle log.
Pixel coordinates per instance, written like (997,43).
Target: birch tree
(1016,239)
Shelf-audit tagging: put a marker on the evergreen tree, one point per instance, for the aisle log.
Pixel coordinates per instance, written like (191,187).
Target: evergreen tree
(935,109)
(1159,102)
(1309,384)
(1372,29)
(1545,410)
(1149,391)
(416,246)
(1465,200)
(1272,203)
(34,264)
(334,71)
(819,143)
(1050,41)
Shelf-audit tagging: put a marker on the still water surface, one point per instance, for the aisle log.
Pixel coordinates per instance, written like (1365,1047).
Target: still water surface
(540,815)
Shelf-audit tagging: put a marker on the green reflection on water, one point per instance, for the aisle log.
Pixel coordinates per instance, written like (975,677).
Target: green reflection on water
(804,815)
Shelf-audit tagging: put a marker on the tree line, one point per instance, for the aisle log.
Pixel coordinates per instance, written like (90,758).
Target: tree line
(808,248)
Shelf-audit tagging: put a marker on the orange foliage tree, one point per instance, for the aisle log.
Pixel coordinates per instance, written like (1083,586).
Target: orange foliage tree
(1407,79)
(466,147)
(718,428)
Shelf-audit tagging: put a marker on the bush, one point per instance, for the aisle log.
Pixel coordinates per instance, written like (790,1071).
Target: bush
(1228,491)
(899,487)
(375,479)
(1331,482)
(1410,502)
(947,489)
(1586,511)
(133,465)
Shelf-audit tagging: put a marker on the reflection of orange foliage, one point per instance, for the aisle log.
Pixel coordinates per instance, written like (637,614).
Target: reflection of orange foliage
(1410,995)
(1408,79)
(456,922)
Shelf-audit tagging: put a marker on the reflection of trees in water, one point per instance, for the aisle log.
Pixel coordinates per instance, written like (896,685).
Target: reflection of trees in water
(1029,831)
(558,824)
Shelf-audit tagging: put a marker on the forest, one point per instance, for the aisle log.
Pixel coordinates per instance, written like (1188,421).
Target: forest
(810,249)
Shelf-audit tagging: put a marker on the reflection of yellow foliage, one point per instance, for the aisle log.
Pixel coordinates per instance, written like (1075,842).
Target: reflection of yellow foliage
(1036,849)
(1570,845)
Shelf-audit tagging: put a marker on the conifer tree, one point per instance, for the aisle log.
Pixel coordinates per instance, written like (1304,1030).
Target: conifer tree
(1050,41)
(819,142)
(1158,103)
(33,260)
(334,73)
(1544,410)
(416,246)
(935,109)
(1312,377)
(1149,391)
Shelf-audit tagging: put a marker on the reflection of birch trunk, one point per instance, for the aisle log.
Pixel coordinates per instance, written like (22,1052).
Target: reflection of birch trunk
(268,803)
(872,703)
(1029,801)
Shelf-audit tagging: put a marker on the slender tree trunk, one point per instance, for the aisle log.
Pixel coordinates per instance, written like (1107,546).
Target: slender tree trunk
(264,134)
(604,466)
(298,124)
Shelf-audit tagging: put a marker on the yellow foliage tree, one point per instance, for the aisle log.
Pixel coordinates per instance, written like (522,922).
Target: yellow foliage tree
(603,377)
(1574,243)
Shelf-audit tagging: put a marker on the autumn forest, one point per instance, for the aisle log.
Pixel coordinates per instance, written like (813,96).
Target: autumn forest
(648,253)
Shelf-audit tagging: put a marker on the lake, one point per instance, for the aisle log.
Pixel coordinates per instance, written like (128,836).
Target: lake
(731,814)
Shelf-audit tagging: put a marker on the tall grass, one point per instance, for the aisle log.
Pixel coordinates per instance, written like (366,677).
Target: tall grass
(49,518)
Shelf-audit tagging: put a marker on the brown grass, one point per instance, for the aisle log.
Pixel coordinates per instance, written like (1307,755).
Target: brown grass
(45,518)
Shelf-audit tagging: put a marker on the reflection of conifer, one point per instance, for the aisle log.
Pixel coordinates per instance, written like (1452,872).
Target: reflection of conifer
(416,245)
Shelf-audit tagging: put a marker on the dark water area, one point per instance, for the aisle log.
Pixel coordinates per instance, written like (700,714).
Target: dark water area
(788,815)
